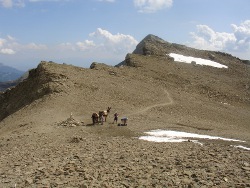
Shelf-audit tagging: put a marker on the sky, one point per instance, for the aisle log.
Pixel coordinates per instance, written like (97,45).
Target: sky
(80,32)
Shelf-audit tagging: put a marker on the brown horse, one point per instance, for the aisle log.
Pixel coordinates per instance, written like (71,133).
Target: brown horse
(95,117)
(104,113)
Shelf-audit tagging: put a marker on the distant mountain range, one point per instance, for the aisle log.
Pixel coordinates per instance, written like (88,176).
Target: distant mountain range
(9,73)
(9,76)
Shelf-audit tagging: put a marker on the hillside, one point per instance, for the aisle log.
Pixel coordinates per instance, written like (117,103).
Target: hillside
(41,146)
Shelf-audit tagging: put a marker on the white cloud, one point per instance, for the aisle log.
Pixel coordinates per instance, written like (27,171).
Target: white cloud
(7,51)
(34,46)
(10,38)
(2,41)
(6,3)
(67,46)
(237,41)
(101,45)
(117,43)
(12,3)
(242,33)
(86,45)
(151,6)
(208,38)
(21,3)
(5,46)
(10,46)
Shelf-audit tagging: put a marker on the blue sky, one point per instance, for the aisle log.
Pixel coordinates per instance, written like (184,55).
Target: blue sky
(79,32)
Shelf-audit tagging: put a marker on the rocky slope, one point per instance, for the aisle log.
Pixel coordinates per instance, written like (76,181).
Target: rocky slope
(47,138)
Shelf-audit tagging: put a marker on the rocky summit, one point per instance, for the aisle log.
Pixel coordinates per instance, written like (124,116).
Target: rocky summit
(47,137)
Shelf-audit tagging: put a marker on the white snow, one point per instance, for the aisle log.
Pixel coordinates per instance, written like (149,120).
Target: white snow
(242,147)
(162,139)
(199,61)
(177,136)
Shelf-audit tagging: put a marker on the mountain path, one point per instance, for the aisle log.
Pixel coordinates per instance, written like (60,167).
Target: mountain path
(170,102)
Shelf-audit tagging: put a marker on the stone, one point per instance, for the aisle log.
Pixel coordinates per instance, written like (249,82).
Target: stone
(186,181)
(246,164)
(246,168)
(29,181)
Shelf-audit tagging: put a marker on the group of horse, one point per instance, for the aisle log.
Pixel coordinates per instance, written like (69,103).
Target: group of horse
(97,117)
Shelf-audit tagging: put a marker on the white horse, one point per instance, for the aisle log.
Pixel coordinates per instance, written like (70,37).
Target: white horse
(104,113)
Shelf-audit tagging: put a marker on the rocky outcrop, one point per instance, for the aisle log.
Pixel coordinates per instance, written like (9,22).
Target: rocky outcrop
(153,45)
(40,82)
(99,66)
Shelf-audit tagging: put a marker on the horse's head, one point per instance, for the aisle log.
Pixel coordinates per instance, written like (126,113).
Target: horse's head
(108,110)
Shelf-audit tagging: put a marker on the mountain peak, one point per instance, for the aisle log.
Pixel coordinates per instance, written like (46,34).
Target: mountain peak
(150,45)
(154,45)
(151,37)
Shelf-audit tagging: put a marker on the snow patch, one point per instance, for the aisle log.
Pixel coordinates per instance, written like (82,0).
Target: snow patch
(177,136)
(199,61)
(242,147)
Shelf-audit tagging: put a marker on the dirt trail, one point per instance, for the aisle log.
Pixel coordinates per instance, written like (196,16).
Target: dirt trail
(170,101)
